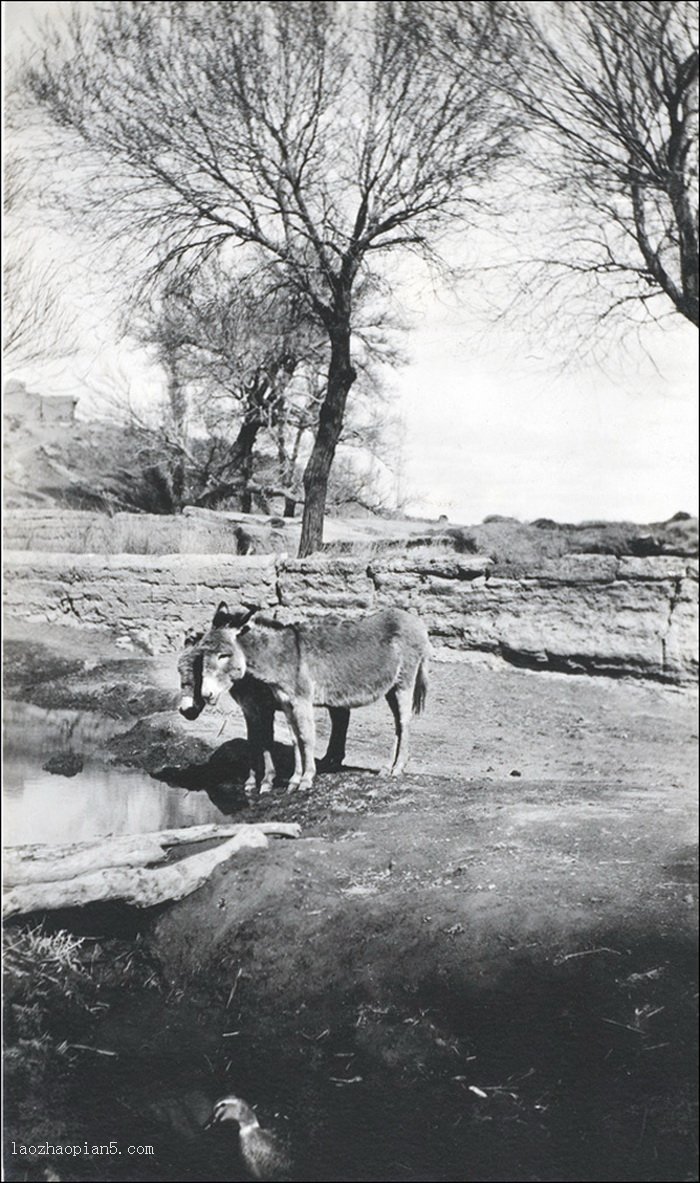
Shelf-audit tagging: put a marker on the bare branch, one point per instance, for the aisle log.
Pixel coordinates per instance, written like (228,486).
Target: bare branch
(611,91)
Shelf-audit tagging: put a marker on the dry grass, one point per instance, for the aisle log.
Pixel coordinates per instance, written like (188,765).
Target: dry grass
(48,958)
(506,541)
(46,970)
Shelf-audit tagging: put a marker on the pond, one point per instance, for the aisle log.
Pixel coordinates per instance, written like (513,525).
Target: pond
(41,806)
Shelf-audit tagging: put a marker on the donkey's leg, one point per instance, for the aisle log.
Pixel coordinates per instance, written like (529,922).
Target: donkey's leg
(259,716)
(267,730)
(335,753)
(296,775)
(301,719)
(254,747)
(253,722)
(294,779)
(306,730)
(400,699)
(293,782)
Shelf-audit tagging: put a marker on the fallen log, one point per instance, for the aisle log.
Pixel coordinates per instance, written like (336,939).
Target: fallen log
(142,887)
(133,868)
(209,830)
(44,863)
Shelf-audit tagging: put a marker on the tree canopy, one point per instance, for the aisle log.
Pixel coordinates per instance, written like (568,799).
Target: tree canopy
(317,133)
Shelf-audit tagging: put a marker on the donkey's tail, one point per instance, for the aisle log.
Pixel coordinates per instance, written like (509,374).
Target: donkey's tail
(420,688)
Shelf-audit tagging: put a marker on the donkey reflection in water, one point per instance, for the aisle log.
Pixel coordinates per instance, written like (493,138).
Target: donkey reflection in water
(334,663)
(258,705)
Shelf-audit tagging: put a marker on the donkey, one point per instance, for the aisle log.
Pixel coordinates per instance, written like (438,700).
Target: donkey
(334,663)
(258,706)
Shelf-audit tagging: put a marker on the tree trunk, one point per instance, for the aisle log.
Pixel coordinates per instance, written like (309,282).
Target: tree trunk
(238,470)
(341,376)
(178,407)
(286,463)
(242,459)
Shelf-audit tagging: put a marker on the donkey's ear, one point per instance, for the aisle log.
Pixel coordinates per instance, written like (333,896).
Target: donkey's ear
(250,610)
(222,615)
(192,637)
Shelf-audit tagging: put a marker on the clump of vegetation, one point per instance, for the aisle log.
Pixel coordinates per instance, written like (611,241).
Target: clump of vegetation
(50,958)
(56,986)
(43,967)
(513,545)
(58,989)
(44,978)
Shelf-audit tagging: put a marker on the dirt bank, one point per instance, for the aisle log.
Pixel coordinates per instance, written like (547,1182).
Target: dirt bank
(483,970)
(530,941)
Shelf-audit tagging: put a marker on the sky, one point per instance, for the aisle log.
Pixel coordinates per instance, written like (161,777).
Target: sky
(494,419)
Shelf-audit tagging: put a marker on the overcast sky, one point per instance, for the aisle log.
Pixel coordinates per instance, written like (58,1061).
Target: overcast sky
(493,421)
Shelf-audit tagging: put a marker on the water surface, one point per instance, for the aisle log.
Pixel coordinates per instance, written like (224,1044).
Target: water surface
(41,806)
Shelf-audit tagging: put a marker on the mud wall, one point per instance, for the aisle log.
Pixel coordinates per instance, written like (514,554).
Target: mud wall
(583,613)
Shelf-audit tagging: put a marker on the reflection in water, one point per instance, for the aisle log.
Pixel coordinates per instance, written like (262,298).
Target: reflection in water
(33,730)
(41,807)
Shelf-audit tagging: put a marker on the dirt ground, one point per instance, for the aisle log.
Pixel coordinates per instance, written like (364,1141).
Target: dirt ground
(482,970)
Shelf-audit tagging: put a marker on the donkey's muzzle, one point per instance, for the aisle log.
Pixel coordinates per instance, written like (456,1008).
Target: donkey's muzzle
(189,709)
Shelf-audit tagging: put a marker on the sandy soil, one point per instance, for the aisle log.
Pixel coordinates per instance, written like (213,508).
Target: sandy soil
(482,970)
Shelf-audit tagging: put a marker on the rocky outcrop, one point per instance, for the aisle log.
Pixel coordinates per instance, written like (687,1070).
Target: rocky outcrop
(583,613)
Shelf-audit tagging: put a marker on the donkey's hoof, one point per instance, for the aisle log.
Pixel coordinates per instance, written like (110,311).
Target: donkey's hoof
(329,765)
(305,785)
(293,784)
(265,788)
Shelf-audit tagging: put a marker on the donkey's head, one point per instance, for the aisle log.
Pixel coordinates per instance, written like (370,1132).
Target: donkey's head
(189,667)
(223,659)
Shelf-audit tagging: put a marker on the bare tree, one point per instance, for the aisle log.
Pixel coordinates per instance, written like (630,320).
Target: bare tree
(247,359)
(235,345)
(318,133)
(37,324)
(611,90)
